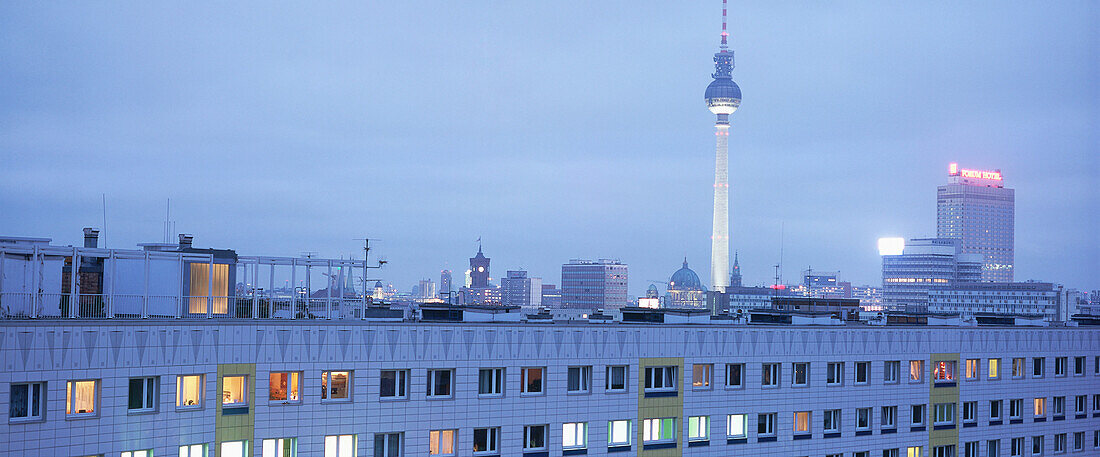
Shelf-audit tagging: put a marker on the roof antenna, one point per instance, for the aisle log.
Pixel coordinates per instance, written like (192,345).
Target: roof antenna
(724,33)
(104,235)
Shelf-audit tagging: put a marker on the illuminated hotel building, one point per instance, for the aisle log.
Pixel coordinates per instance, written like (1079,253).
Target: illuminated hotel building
(977,209)
(925,264)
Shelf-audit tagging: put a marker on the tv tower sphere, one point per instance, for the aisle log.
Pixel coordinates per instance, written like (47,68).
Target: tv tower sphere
(723,96)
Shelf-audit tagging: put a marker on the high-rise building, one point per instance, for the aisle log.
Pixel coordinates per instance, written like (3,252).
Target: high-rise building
(445,286)
(479,270)
(977,209)
(925,264)
(516,287)
(425,289)
(551,296)
(593,284)
(723,96)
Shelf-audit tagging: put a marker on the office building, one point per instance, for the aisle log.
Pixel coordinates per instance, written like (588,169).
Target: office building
(551,296)
(516,289)
(445,284)
(978,210)
(1051,301)
(590,284)
(925,264)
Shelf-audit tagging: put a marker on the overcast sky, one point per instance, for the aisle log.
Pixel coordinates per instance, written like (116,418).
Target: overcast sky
(552,130)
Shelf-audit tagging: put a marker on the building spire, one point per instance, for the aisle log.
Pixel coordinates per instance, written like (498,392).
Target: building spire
(723,59)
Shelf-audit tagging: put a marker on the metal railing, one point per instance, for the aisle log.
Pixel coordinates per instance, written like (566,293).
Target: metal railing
(27,305)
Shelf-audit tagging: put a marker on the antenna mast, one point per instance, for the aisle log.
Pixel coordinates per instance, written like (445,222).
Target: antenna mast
(724,33)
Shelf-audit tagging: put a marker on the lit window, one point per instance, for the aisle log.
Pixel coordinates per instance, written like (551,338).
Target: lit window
(574,435)
(335,385)
(340,446)
(916,370)
(579,379)
(1018,367)
(616,378)
(891,371)
(834,373)
(233,449)
(916,413)
(439,383)
(441,442)
(889,417)
(943,414)
(534,437)
(618,433)
(1040,407)
(393,384)
(193,450)
(234,391)
(913,451)
(141,453)
(701,375)
(281,447)
(189,391)
(737,426)
(863,372)
(802,422)
(994,368)
(973,366)
(800,373)
(660,378)
(284,387)
(659,430)
(944,371)
(769,375)
(486,440)
(532,380)
(735,375)
(81,398)
(698,428)
(27,401)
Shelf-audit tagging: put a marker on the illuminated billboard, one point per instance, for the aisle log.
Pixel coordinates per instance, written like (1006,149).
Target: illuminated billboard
(954,170)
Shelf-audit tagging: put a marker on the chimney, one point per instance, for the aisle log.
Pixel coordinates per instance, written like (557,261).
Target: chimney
(91,237)
(185,241)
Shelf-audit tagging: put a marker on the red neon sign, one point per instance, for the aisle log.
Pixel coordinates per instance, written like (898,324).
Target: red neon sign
(954,170)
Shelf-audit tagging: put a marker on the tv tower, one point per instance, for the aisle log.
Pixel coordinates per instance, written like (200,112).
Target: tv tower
(723,97)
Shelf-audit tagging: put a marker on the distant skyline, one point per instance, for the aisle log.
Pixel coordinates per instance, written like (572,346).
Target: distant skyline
(551,130)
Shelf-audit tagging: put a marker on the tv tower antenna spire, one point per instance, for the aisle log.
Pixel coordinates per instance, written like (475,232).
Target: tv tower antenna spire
(724,32)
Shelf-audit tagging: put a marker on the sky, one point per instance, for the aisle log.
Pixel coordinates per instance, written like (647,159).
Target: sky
(549,130)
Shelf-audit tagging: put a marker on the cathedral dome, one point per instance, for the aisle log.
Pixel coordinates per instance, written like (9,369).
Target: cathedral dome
(685,279)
